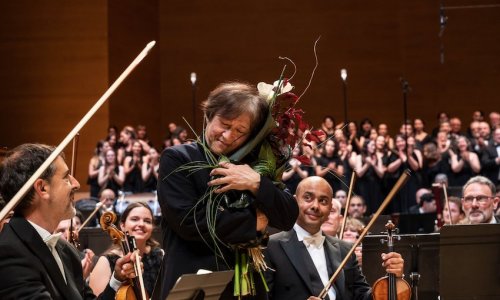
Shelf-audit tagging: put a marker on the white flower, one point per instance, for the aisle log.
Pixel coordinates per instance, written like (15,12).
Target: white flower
(267,90)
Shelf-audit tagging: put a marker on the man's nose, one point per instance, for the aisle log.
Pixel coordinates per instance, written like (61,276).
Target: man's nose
(74,183)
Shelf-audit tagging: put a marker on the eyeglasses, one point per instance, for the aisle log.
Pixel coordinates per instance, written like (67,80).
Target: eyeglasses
(481,199)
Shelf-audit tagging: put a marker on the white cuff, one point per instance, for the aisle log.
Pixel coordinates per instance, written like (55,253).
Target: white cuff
(114,283)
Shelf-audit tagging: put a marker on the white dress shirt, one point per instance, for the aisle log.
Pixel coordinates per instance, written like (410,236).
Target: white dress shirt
(318,256)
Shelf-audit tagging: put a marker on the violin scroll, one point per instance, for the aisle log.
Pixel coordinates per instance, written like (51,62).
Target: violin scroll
(107,221)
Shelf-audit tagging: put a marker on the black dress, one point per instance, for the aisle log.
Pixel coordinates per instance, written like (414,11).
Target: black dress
(405,198)
(460,178)
(151,262)
(369,186)
(335,181)
(133,180)
(94,183)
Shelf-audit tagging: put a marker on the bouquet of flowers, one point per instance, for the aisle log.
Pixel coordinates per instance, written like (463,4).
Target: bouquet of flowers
(273,146)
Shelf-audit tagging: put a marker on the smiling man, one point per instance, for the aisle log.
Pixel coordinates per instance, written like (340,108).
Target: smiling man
(303,259)
(479,201)
(34,263)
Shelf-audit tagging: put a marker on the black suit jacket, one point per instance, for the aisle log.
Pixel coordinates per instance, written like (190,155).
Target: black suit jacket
(295,277)
(28,269)
(489,166)
(187,243)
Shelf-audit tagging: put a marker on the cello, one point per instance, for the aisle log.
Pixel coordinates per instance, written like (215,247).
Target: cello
(389,287)
(132,289)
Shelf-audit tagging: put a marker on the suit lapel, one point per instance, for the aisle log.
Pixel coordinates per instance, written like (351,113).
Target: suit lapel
(72,272)
(298,255)
(28,235)
(334,258)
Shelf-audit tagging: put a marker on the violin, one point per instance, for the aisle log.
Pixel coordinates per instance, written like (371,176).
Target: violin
(401,181)
(133,289)
(389,287)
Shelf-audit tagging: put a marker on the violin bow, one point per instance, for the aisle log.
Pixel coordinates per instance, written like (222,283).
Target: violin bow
(96,209)
(25,188)
(74,151)
(138,269)
(443,186)
(347,203)
(399,184)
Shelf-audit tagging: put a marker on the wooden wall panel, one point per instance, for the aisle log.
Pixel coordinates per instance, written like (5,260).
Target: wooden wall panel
(53,67)
(133,24)
(58,57)
(377,41)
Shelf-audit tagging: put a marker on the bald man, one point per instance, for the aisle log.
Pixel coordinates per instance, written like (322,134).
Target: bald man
(303,259)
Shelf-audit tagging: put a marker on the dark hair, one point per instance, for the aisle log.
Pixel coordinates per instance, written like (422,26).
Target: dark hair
(329,117)
(151,241)
(79,215)
(232,99)
(18,167)
(98,147)
(427,197)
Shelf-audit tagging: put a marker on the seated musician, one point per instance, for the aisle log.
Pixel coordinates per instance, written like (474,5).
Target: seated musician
(137,220)
(332,225)
(456,212)
(33,262)
(303,259)
(353,229)
(69,232)
(479,201)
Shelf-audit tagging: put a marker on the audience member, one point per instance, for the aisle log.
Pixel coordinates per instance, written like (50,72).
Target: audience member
(132,167)
(127,138)
(384,132)
(421,136)
(142,137)
(494,120)
(150,169)
(328,126)
(490,159)
(95,163)
(329,166)
(111,175)
(371,169)
(464,163)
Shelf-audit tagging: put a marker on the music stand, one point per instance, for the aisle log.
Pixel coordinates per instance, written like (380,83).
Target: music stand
(200,286)
(470,262)
(416,223)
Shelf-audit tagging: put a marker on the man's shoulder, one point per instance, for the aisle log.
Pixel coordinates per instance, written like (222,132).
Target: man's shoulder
(187,150)
(281,236)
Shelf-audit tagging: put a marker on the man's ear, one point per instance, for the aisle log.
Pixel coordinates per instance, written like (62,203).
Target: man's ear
(41,188)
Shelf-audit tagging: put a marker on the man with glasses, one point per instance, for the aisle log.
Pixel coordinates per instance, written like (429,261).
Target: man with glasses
(479,201)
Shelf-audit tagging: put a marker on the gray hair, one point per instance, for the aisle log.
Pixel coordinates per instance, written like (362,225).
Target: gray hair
(480,180)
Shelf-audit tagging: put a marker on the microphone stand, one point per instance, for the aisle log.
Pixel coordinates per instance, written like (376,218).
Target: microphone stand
(406,88)
(193,99)
(442,26)
(343,75)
